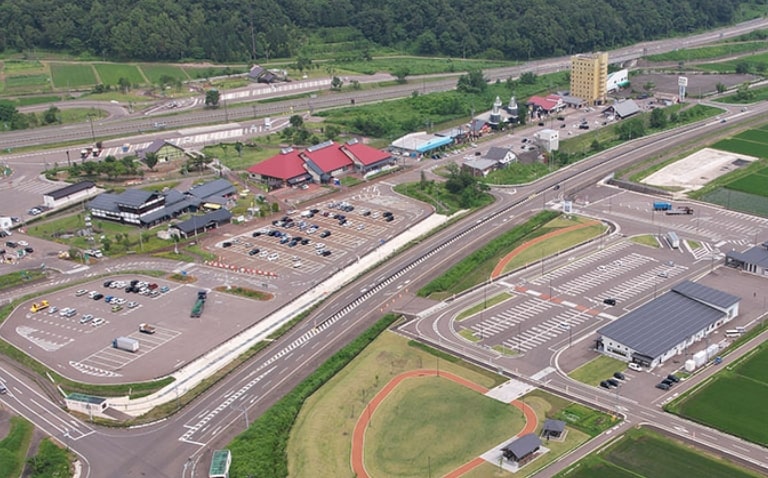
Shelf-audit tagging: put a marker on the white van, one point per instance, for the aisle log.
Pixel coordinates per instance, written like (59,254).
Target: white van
(635,367)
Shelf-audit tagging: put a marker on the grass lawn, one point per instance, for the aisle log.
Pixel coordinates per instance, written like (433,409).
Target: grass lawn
(110,73)
(559,243)
(417,66)
(437,420)
(741,146)
(12,279)
(646,240)
(320,439)
(153,72)
(732,399)
(490,302)
(248,156)
(597,370)
(13,448)
(759,94)
(72,75)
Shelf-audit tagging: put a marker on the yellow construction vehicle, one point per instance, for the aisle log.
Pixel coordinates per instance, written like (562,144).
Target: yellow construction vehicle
(38,307)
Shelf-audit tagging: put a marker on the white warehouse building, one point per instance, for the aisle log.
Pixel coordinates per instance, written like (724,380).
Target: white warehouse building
(665,327)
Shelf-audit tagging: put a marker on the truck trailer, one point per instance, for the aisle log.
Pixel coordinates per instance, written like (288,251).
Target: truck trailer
(126,343)
(662,206)
(685,210)
(197,309)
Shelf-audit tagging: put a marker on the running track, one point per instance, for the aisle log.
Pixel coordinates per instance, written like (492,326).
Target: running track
(358,436)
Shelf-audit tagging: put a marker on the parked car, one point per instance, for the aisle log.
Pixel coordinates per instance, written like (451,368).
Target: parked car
(80,292)
(619,375)
(610,302)
(165,288)
(635,367)
(86,318)
(226,244)
(98,296)
(673,378)
(132,304)
(662,386)
(97,321)
(605,384)
(253,252)
(29,250)
(325,234)
(613,382)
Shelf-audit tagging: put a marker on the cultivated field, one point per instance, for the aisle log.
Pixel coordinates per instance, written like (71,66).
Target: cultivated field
(645,453)
(733,400)
(110,73)
(155,72)
(72,75)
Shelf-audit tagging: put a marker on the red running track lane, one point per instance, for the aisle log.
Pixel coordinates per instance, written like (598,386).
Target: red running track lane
(358,435)
(499,269)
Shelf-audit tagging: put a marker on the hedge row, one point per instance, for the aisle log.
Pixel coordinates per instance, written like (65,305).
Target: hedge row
(505,242)
(261,450)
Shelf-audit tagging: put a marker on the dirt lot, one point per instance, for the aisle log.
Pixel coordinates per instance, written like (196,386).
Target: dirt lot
(698,84)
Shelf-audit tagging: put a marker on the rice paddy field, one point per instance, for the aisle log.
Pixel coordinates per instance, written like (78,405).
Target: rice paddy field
(733,399)
(643,453)
(72,75)
(110,73)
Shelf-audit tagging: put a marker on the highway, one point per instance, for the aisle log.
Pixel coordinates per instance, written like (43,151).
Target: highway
(181,444)
(137,123)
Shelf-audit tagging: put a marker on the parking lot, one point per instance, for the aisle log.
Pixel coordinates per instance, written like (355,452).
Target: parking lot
(326,235)
(560,301)
(79,344)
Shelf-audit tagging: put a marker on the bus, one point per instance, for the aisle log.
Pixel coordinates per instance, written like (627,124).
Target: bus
(731,333)
(673,240)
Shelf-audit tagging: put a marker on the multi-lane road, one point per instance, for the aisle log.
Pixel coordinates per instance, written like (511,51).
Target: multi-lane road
(181,444)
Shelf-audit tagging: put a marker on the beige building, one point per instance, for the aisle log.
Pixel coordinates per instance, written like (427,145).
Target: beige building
(589,74)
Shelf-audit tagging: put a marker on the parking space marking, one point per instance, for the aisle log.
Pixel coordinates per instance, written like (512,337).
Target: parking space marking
(109,359)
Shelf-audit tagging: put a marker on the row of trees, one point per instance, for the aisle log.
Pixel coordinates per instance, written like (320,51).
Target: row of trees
(11,118)
(180,29)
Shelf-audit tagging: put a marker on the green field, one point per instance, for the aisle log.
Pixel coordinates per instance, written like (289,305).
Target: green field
(597,370)
(642,453)
(754,135)
(753,61)
(752,184)
(110,73)
(707,52)
(732,400)
(19,82)
(416,423)
(738,146)
(737,201)
(320,439)
(14,446)
(72,75)
(155,72)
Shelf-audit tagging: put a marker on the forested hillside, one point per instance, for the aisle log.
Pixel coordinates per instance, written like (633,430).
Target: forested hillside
(226,30)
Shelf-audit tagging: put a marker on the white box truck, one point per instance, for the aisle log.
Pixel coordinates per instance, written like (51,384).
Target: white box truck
(126,343)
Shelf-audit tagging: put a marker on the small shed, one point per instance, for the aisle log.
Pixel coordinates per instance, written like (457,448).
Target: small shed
(522,450)
(552,429)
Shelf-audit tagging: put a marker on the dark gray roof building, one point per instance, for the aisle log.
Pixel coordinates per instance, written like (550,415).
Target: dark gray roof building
(753,260)
(664,327)
(522,448)
(216,188)
(209,220)
(71,189)
(624,108)
(552,428)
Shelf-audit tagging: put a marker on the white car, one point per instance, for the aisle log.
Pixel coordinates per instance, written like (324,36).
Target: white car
(119,301)
(97,321)
(264,254)
(80,292)
(53,310)
(320,245)
(273,257)
(635,367)
(22,243)
(63,312)
(132,304)
(86,318)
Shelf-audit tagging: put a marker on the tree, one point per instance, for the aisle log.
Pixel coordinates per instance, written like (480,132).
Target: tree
(124,84)
(744,93)
(528,78)
(336,83)
(212,98)
(742,68)
(401,72)
(720,87)
(296,121)
(239,149)
(51,115)
(472,82)
(151,159)
(631,129)
(658,119)
(303,62)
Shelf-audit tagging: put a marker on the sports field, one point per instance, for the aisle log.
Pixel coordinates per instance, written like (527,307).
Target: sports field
(643,453)
(72,75)
(322,436)
(733,400)
(434,423)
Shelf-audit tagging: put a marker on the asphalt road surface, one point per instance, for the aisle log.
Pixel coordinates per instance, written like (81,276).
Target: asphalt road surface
(181,444)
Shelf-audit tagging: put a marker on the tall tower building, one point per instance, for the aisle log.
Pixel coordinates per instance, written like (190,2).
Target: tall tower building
(589,75)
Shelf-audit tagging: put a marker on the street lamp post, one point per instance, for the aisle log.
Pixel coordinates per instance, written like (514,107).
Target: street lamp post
(93,135)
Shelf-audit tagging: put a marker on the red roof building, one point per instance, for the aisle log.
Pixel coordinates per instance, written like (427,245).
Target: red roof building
(318,163)
(549,104)
(279,170)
